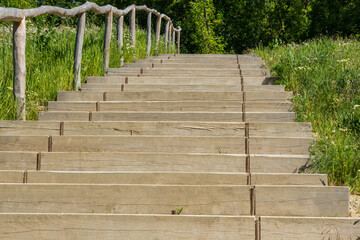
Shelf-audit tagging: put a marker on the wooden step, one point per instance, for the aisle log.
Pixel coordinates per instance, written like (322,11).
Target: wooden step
(267,163)
(166,116)
(31,128)
(276,145)
(173,65)
(177,106)
(173,96)
(95,87)
(184,80)
(311,201)
(298,228)
(289,129)
(131,227)
(124,199)
(164,178)
(117,161)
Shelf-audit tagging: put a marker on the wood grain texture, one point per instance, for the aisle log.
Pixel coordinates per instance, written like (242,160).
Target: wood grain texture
(63,116)
(132,227)
(11,176)
(164,178)
(17,160)
(309,201)
(272,107)
(284,129)
(299,228)
(155,128)
(24,143)
(275,145)
(124,199)
(270,116)
(29,128)
(107,40)
(78,51)
(19,79)
(148,39)
(80,96)
(288,179)
(161,144)
(120,38)
(117,161)
(277,163)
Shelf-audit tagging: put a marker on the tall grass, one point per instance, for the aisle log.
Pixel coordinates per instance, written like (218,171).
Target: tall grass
(324,75)
(49,62)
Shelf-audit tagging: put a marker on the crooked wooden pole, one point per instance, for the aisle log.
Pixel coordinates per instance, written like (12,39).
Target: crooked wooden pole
(148,35)
(120,38)
(78,51)
(178,42)
(19,84)
(166,35)
(132,29)
(157,36)
(107,40)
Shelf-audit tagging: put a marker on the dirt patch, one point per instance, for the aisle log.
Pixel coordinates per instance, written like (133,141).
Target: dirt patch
(354,205)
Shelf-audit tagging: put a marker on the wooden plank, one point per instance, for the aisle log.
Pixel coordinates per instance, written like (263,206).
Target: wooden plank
(169,106)
(164,178)
(288,179)
(29,128)
(23,143)
(164,88)
(80,96)
(167,116)
(131,227)
(117,161)
(277,163)
(267,96)
(63,116)
(18,160)
(265,88)
(71,106)
(11,176)
(268,107)
(309,228)
(162,144)
(270,117)
(288,201)
(283,129)
(155,128)
(173,96)
(78,51)
(274,145)
(124,199)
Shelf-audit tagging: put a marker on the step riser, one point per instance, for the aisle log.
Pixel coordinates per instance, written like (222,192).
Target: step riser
(131,227)
(179,96)
(166,116)
(125,199)
(164,178)
(161,144)
(198,106)
(158,199)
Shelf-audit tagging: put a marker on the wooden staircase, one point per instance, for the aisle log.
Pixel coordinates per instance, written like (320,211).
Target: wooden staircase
(170,147)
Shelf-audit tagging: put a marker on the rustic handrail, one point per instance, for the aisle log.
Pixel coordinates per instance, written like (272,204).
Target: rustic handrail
(19,16)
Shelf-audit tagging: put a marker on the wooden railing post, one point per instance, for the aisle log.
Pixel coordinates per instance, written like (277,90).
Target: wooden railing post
(157,36)
(178,42)
(78,51)
(19,84)
(166,35)
(170,34)
(148,35)
(120,38)
(107,40)
(132,29)
(173,39)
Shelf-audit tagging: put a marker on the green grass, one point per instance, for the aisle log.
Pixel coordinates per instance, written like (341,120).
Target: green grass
(324,75)
(49,62)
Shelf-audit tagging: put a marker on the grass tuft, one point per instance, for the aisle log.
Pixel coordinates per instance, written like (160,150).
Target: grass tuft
(325,79)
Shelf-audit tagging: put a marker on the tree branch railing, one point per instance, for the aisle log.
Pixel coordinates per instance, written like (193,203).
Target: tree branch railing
(19,16)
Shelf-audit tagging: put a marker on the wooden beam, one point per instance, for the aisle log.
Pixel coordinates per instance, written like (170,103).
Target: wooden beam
(170,34)
(158,29)
(132,29)
(19,43)
(78,51)
(178,42)
(166,35)
(107,40)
